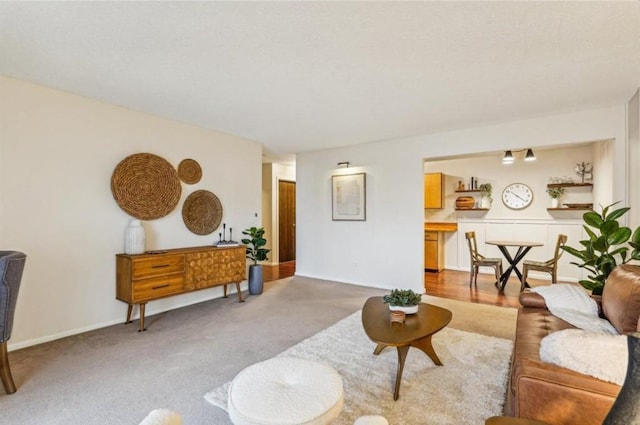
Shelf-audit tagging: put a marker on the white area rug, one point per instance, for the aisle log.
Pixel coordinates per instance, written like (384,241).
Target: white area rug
(469,388)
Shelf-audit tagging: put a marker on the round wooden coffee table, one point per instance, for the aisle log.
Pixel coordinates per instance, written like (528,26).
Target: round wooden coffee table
(416,331)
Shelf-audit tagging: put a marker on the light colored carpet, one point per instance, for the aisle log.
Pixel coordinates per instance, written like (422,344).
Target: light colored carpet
(479,318)
(468,389)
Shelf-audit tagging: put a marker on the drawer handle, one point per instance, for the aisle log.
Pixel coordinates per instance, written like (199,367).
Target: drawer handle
(160,287)
(159,266)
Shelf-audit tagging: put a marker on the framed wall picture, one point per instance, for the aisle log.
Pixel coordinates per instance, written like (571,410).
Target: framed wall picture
(348,197)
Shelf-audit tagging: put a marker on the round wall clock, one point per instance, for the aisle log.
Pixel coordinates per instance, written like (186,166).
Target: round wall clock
(517,196)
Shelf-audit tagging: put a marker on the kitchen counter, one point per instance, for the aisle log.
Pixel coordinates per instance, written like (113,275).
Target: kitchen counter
(443,226)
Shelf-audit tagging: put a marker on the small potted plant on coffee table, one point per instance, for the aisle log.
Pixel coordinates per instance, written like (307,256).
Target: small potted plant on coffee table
(404,300)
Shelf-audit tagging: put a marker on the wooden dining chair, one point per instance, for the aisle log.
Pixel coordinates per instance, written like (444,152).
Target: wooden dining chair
(549,266)
(478,260)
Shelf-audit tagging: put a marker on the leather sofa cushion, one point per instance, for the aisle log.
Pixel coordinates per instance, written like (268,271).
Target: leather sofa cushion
(621,298)
(532,299)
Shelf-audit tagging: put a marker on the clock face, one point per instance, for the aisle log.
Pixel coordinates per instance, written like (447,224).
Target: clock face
(517,196)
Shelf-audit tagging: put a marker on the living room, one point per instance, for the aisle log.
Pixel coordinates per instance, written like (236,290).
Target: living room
(59,148)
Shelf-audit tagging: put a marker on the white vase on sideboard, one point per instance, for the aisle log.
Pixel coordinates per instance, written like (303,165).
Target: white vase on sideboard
(134,238)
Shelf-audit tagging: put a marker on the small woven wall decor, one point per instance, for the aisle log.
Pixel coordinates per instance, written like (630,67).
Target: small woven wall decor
(202,212)
(189,171)
(146,186)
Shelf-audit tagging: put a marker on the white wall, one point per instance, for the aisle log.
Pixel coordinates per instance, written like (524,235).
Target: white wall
(633,125)
(387,250)
(57,155)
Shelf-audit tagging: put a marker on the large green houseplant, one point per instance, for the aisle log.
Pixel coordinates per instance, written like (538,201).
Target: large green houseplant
(255,252)
(607,246)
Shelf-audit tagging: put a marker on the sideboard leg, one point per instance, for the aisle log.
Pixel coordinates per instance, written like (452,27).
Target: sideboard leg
(142,328)
(129,310)
(240,300)
(225,291)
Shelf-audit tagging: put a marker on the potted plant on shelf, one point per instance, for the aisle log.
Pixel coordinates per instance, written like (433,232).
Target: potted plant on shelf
(255,253)
(404,300)
(606,246)
(485,191)
(555,193)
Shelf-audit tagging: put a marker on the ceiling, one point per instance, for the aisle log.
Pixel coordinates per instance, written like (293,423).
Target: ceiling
(304,76)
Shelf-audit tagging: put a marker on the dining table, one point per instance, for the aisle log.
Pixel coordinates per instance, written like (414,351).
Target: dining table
(523,248)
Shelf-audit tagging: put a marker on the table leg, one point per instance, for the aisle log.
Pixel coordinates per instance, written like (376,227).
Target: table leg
(142,328)
(402,356)
(424,344)
(378,349)
(240,300)
(513,263)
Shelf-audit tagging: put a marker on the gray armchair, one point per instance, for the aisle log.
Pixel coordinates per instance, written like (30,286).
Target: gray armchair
(11,267)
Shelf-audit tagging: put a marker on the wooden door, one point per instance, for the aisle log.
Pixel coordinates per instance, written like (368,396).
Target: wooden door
(287,220)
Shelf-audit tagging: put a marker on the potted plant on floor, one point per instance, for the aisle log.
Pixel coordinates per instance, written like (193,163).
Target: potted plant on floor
(606,246)
(255,253)
(555,193)
(404,300)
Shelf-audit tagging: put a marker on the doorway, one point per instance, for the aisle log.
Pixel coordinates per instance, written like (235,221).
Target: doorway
(286,220)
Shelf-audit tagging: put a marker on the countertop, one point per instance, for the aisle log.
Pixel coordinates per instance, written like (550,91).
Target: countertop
(442,226)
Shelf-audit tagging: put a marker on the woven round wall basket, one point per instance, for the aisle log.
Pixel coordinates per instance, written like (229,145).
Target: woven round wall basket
(202,212)
(189,171)
(146,186)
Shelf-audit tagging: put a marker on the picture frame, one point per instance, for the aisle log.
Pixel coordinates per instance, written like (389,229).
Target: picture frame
(349,197)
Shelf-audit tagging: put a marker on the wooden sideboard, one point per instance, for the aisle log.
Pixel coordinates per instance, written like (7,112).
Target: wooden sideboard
(157,274)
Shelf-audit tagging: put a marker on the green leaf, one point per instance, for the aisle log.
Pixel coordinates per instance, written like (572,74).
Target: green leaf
(619,236)
(590,232)
(608,227)
(571,250)
(600,244)
(636,236)
(617,214)
(592,219)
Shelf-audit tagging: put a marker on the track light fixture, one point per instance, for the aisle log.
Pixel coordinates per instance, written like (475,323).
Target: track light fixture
(508,156)
(344,164)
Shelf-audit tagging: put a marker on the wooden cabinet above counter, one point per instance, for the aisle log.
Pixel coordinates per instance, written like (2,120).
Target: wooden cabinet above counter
(445,226)
(433,191)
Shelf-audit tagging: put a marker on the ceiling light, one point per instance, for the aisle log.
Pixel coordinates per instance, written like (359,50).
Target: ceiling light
(508,157)
(529,156)
(344,164)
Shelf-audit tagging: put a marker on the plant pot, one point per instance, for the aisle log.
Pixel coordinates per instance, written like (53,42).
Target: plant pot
(554,202)
(485,202)
(410,309)
(256,279)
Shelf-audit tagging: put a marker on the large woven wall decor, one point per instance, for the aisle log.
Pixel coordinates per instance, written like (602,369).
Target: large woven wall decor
(189,171)
(146,186)
(202,212)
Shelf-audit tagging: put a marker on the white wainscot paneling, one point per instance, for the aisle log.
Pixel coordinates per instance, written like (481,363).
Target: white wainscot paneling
(535,230)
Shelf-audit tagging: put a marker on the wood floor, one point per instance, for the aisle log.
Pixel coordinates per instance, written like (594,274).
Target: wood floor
(446,284)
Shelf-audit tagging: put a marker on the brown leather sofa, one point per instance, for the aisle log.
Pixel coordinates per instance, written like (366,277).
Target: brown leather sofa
(554,394)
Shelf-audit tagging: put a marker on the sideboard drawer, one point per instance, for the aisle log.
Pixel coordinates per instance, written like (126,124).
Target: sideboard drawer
(158,287)
(157,266)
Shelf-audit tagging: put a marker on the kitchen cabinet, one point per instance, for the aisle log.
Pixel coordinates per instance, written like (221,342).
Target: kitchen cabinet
(433,251)
(434,190)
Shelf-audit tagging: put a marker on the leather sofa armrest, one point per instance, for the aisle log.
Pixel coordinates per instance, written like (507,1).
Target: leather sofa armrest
(558,395)
(532,299)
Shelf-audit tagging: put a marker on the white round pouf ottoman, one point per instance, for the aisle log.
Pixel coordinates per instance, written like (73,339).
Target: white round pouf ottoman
(285,391)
